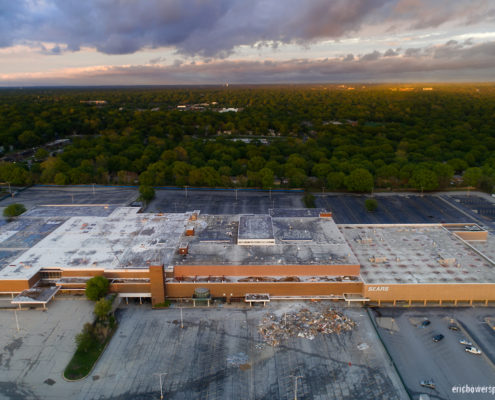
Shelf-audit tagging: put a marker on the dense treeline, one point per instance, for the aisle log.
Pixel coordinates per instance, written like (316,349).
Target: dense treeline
(296,136)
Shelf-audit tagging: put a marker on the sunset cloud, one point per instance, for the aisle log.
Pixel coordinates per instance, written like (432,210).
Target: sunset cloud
(212,41)
(214,28)
(448,61)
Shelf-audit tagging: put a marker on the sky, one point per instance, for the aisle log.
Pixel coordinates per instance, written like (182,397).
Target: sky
(167,42)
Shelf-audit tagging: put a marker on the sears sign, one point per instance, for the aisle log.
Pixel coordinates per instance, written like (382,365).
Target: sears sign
(378,288)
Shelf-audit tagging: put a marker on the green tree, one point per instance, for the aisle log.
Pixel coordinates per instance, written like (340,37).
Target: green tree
(147,193)
(335,180)
(472,176)
(60,178)
(296,177)
(102,308)
(424,179)
(309,200)
(444,172)
(359,180)
(41,154)
(14,210)
(28,139)
(87,339)
(371,205)
(266,176)
(97,287)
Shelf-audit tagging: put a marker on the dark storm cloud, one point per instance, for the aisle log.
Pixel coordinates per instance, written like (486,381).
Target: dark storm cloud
(371,56)
(11,18)
(391,53)
(213,28)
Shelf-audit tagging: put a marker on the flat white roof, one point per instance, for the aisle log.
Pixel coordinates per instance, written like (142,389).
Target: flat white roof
(123,240)
(416,254)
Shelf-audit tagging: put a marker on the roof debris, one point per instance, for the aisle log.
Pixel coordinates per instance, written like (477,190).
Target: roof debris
(303,323)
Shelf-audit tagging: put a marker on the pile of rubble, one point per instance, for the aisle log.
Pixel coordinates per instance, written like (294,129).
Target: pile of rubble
(303,323)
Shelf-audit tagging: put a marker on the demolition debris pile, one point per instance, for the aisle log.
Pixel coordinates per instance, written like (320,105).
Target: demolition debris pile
(303,323)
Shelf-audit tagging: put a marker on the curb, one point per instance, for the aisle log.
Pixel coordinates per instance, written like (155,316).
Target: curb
(95,363)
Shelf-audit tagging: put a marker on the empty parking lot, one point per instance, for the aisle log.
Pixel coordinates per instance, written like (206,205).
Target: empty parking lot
(223,201)
(217,355)
(68,195)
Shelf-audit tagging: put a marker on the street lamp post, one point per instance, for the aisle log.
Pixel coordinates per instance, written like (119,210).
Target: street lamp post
(296,377)
(16,321)
(160,374)
(181,319)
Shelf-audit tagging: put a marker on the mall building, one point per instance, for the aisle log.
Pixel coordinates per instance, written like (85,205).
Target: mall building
(286,254)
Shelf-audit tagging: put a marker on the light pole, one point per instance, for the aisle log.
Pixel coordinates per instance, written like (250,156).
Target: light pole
(181,319)
(93,189)
(160,374)
(296,377)
(16,320)
(186,191)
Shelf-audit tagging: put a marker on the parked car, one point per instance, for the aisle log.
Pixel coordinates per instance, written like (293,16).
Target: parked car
(465,342)
(428,383)
(438,337)
(472,350)
(425,323)
(453,327)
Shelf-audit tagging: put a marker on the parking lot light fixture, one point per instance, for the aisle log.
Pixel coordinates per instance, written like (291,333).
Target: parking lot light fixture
(160,374)
(296,377)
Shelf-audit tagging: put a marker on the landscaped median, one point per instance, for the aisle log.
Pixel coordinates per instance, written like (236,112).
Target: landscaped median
(93,339)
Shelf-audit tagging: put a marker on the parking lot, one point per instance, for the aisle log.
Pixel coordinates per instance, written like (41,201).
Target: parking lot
(479,206)
(68,195)
(392,209)
(217,355)
(223,202)
(446,362)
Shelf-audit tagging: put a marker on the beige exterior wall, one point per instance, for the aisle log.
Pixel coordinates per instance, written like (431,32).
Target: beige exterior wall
(469,235)
(431,292)
(157,284)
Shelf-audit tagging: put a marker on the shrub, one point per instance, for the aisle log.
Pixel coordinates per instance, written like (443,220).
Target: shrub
(309,200)
(14,210)
(147,193)
(97,287)
(371,205)
(102,308)
(87,339)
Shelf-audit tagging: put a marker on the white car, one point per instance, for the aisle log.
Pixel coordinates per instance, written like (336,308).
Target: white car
(465,342)
(472,350)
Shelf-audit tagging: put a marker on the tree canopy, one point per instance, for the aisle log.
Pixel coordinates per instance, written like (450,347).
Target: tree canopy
(97,288)
(288,136)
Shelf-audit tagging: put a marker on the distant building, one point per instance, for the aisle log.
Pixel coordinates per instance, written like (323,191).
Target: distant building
(97,102)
